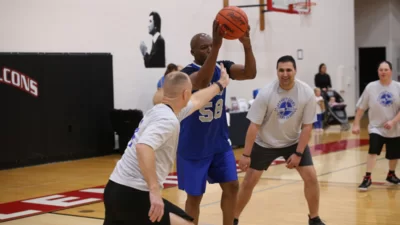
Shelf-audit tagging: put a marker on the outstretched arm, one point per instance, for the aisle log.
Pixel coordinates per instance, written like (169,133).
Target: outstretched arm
(202,97)
(247,71)
(202,78)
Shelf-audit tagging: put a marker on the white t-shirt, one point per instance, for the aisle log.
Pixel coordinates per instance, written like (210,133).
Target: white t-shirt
(281,113)
(317,99)
(383,103)
(159,129)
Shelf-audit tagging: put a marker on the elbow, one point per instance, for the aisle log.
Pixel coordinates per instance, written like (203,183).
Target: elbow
(255,127)
(252,74)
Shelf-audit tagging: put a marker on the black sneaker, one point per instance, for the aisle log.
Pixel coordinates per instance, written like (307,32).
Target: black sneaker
(391,178)
(315,221)
(235,222)
(365,184)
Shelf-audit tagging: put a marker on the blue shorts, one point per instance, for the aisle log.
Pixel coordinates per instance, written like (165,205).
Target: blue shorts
(193,174)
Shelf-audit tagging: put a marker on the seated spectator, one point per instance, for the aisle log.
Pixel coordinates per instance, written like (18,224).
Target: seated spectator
(322,80)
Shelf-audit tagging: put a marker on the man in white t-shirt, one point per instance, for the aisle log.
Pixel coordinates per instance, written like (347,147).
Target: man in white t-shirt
(282,117)
(382,98)
(133,193)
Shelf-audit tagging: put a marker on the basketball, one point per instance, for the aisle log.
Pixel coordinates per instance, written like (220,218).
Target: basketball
(234,21)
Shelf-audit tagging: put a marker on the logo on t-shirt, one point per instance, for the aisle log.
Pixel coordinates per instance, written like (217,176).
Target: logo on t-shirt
(285,108)
(385,98)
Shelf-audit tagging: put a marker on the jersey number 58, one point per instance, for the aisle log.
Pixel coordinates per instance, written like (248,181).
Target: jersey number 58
(207,115)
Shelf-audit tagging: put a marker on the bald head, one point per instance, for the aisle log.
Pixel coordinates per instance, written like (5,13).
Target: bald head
(175,83)
(199,39)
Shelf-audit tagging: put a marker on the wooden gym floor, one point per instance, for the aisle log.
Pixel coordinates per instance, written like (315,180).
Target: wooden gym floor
(70,192)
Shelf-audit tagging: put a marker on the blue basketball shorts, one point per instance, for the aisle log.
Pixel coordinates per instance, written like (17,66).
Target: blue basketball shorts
(193,174)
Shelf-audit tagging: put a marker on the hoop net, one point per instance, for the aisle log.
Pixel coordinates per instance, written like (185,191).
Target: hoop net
(302,7)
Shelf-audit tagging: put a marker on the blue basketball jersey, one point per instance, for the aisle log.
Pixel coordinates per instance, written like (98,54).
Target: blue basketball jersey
(205,132)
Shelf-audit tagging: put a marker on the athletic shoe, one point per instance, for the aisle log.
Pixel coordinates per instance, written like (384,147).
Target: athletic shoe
(365,184)
(315,221)
(391,178)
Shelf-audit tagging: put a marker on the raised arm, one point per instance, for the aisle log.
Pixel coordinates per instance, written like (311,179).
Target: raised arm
(202,78)
(247,71)
(202,97)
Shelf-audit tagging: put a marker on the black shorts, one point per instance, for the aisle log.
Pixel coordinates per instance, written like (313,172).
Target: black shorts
(377,141)
(261,158)
(127,206)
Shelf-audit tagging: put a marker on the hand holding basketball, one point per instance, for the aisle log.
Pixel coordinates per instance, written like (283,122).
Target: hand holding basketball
(218,34)
(234,21)
(245,39)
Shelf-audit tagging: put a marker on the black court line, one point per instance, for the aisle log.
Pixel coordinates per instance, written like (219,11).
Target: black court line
(87,217)
(293,181)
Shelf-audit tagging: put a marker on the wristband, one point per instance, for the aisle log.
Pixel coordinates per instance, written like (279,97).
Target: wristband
(221,88)
(245,155)
(299,154)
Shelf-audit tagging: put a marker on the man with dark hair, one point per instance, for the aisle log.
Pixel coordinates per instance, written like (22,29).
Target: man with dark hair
(281,118)
(133,193)
(156,58)
(382,100)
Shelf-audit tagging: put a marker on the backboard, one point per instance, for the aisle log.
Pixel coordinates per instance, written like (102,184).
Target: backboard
(290,6)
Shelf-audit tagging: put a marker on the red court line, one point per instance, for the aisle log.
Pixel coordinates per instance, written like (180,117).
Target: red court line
(60,201)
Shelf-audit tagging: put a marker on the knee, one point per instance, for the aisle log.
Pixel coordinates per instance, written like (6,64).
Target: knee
(230,188)
(249,182)
(310,179)
(193,200)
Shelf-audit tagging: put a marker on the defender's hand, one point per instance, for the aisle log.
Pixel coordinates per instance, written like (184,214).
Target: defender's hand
(224,80)
(157,207)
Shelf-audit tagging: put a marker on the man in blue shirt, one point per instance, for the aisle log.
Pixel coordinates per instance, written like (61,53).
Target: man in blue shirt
(204,152)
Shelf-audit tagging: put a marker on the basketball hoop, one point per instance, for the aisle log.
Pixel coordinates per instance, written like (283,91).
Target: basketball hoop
(302,7)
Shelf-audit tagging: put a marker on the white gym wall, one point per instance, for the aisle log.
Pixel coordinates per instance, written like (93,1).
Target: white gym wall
(326,36)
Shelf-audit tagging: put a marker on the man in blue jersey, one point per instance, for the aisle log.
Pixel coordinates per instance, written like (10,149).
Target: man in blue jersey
(204,153)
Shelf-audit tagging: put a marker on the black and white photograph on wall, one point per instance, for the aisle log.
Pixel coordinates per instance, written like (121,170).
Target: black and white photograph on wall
(154,57)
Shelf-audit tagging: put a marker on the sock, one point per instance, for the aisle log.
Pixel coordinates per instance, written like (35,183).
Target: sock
(391,172)
(368,174)
(235,221)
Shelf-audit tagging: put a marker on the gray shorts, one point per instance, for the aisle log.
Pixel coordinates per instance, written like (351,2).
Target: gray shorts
(261,158)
